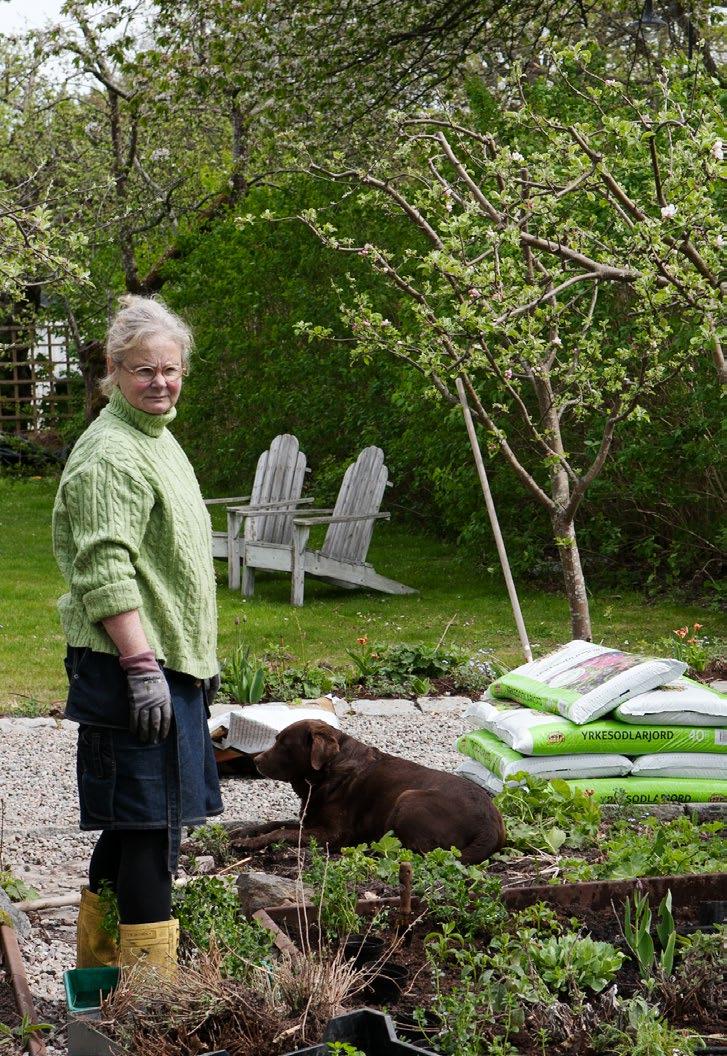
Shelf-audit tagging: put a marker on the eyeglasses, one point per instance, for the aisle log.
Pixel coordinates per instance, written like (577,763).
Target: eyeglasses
(146,375)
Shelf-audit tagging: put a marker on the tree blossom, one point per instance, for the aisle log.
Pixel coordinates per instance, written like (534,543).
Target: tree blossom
(668,211)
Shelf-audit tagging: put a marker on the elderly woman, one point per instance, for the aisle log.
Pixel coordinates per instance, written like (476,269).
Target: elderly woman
(132,538)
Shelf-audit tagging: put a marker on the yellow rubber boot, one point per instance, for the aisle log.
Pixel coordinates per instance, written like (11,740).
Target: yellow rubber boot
(156,944)
(95,948)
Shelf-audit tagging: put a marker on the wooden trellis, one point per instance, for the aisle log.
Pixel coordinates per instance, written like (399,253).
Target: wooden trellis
(35,366)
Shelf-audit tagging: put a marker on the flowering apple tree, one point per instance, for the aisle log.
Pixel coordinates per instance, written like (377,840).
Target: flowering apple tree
(564,265)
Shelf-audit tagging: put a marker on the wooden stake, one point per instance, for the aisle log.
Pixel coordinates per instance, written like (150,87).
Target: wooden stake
(495,524)
(405,879)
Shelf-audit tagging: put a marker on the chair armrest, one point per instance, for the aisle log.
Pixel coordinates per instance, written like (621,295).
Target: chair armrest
(281,505)
(310,522)
(265,513)
(231,498)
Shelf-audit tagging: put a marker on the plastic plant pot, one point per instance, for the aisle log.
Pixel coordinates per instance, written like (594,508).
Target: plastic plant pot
(85,987)
(368,1030)
(363,948)
(386,984)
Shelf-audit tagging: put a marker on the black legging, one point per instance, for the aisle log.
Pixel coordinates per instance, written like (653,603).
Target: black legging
(134,862)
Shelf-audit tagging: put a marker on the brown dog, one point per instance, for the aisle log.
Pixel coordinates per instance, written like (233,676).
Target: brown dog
(351,793)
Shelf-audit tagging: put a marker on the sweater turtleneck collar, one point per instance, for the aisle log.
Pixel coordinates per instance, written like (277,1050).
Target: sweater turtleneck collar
(151,424)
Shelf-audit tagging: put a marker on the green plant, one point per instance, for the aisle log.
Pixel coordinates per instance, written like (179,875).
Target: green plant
(342,1048)
(641,1031)
(243,677)
(698,978)
(307,681)
(109,909)
(208,907)
(570,963)
(334,882)
(474,1011)
(213,839)
(653,848)
(20,1035)
(540,916)
(691,648)
(462,895)
(547,815)
(402,667)
(637,933)
(15,888)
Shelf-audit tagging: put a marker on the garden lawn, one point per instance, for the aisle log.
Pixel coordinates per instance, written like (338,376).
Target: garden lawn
(456,598)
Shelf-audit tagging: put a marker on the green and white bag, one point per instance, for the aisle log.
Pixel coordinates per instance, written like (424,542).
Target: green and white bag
(540,733)
(636,790)
(678,764)
(481,776)
(582,681)
(653,790)
(504,762)
(679,703)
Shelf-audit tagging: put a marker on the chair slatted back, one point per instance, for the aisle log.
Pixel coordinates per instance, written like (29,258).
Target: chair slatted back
(362,491)
(279,475)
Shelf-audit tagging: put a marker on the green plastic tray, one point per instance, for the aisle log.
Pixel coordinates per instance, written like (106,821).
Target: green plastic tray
(83,986)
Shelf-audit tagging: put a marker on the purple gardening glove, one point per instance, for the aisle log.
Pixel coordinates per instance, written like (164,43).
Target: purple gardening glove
(150,704)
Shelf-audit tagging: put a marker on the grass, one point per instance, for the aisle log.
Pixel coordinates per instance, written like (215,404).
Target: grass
(454,596)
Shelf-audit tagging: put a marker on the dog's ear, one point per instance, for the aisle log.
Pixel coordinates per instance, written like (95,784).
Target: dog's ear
(324,747)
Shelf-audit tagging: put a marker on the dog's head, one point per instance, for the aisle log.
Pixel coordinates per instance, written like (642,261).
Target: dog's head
(301,751)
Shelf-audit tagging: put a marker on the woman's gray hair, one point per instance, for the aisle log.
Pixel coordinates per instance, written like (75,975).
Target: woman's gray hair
(137,320)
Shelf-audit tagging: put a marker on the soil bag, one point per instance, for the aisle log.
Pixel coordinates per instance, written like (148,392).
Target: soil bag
(504,762)
(679,703)
(638,789)
(679,764)
(582,681)
(540,733)
(481,776)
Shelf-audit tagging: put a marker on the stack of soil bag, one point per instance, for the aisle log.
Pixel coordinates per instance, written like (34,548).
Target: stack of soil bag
(618,726)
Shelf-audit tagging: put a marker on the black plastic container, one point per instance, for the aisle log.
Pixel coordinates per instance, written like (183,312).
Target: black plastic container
(361,949)
(387,984)
(370,1031)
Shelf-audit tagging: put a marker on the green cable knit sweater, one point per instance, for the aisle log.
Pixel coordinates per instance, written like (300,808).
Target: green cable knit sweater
(130,531)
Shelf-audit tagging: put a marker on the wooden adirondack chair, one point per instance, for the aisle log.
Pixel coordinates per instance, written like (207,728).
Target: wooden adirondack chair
(268,517)
(342,558)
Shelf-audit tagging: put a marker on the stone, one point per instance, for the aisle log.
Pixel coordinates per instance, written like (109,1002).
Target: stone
(383,708)
(703,812)
(18,919)
(720,685)
(204,864)
(442,705)
(341,707)
(258,890)
(30,724)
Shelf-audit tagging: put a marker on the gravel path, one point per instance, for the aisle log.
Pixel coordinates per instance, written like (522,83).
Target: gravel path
(43,846)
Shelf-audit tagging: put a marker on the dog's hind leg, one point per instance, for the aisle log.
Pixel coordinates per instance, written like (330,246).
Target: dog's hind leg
(487,842)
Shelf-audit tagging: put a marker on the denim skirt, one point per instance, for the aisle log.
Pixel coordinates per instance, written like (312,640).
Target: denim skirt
(124,784)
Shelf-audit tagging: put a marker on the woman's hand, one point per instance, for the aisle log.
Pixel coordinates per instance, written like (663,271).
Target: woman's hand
(150,703)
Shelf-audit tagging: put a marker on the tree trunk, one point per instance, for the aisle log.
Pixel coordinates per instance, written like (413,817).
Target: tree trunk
(93,365)
(575,584)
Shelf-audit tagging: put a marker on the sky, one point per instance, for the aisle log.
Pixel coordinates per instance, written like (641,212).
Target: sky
(19,15)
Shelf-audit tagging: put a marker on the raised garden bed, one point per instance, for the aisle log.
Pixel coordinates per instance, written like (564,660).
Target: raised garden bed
(16,1002)
(596,906)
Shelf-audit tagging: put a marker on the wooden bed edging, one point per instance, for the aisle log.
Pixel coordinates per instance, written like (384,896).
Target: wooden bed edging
(13,964)
(686,890)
